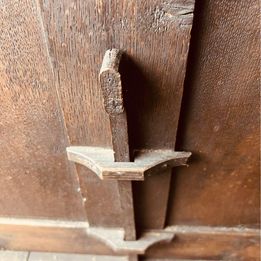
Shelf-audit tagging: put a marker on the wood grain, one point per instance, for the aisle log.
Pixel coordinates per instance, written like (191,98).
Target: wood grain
(147,162)
(35,178)
(154,36)
(110,80)
(220,119)
(77,45)
(194,243)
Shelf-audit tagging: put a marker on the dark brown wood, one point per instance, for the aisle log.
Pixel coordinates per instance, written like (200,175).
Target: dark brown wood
(155,87)
(210,243)
(202,243)
(35,178)
(120,140)
(155,36)
(110,80)
(143,197)
(127,208)
(220,120)
(76,60)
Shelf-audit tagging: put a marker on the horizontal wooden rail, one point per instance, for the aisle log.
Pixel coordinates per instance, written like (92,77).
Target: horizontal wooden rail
(190,242)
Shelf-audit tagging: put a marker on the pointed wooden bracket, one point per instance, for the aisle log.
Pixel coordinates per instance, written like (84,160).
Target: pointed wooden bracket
(146,162)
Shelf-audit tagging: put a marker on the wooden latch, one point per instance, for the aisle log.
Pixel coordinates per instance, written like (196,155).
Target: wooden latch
(115,164)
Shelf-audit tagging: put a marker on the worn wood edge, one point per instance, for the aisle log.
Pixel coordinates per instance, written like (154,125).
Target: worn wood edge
(127,208)
(124,170)
(77,157)
(211,243)
(72,237)
(110,81)
(243,231)
(112,237)
(43,222)
(115,239)
(111,60)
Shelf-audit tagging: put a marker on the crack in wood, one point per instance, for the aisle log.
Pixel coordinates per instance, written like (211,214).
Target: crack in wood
(168,15)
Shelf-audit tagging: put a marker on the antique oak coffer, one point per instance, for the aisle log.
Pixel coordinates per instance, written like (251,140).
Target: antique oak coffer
(130,128)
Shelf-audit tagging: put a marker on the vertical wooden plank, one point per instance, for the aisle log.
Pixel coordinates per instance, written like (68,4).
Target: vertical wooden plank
(35,179)
(220,122)
(155,37)
(162,43)
(77,45)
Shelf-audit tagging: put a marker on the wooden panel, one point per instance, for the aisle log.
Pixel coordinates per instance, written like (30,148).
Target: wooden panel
(208,243)
(155,86)
(155,36)
(220,119)
(35,178)
(194,243)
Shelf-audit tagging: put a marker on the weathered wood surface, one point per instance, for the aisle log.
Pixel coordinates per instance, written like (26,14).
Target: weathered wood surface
(146,163)
(220,119)
(155,36)
(116,240)
(202,243)
(110,81)
(35,177)
(220,111)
